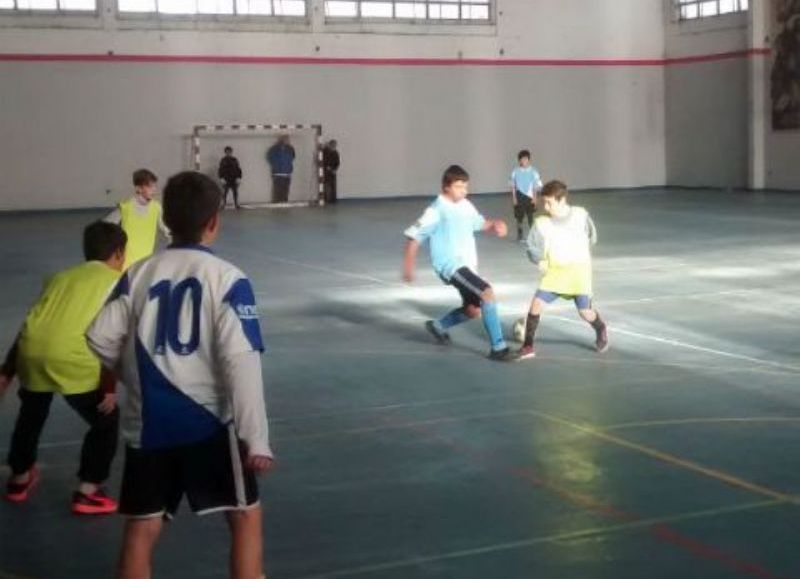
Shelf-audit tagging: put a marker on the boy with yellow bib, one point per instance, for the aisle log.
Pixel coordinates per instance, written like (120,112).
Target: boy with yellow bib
(140,218)
(50,355)
(560,244)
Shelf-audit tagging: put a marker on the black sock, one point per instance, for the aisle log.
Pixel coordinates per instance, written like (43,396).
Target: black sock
(598,324)
(530,329)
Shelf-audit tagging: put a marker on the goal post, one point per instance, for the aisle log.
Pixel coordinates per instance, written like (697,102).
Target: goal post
(315,191)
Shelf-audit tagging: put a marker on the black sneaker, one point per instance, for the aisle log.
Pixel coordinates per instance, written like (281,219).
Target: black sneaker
(441,336)
(503,355)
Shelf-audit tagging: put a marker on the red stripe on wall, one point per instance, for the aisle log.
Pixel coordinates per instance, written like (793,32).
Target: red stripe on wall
(302,60)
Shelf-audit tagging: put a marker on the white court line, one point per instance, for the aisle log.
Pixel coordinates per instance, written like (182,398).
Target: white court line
(687,346)
(531,542)
(333,271)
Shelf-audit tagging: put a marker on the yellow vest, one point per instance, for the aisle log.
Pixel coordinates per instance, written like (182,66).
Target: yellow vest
(141,229)
(53,355)
(567,258)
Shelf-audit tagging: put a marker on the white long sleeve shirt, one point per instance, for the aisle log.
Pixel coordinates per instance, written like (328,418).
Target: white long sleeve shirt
(182,331)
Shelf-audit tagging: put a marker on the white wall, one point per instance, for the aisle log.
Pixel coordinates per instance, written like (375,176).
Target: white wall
(706,103)
(718,125)
(74,129)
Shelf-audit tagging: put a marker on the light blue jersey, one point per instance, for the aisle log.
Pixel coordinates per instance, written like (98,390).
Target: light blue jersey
(450,228)
(526,180)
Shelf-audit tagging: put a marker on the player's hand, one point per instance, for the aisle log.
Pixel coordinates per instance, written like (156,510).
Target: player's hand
(259,464)
(5,382)
(238,181)
(500,228)
(108,404)
(223,182)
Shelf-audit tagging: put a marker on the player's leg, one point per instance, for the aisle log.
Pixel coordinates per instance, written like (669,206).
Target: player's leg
(33,412)
(477,293)
(247,556)
(530,210)
(151,489)
(218,480)
(138,541)
(235,190)
(591,315)
(538,303)
(519,213)
(97,453)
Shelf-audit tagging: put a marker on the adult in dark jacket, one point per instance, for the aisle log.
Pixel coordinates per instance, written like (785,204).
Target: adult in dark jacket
(230,175)
(330,166)
(280,157)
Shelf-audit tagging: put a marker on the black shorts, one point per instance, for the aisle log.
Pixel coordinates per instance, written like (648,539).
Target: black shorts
(470,285)
(211,473)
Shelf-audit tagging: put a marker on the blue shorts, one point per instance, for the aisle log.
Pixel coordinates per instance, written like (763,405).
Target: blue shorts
(582,301)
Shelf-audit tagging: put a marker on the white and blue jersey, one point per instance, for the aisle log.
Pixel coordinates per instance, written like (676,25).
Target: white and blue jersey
(182,331)
(450,229)
(526,180)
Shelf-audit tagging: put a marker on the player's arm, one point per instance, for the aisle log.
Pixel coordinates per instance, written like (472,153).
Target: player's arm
(591,230)
(239,346)
(410,258)
(416,235)
(9,368)
(242,373)
(535,245)
(495,226)
(114,217)
(513,185)
(108,332)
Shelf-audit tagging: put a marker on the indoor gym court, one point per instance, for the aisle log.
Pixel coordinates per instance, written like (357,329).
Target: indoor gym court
(669,456)
(676,123)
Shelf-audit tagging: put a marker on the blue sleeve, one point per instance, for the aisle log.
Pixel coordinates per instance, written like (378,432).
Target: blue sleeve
(242,301)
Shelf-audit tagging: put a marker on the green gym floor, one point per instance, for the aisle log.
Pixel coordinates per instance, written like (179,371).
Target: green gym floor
(676,454)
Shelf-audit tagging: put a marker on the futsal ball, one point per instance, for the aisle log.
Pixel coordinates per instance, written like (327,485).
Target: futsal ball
(518,330)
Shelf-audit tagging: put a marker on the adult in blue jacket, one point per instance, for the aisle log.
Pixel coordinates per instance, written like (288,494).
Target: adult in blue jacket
(280,157)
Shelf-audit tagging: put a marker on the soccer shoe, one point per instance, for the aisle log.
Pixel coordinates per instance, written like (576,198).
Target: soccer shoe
(19,492)
(440,335)
(503,355)
(526,352)
(97,503)
(601,345)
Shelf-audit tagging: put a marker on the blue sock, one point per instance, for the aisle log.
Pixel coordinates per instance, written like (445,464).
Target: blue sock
(491,321)
(453,318)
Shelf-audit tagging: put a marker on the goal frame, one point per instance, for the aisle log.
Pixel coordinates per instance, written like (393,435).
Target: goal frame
(246,128)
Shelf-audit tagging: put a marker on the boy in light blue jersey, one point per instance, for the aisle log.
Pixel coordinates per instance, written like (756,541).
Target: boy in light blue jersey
(449,225)
(525,185)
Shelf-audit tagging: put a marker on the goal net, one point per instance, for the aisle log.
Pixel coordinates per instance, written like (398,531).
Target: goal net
(250,143)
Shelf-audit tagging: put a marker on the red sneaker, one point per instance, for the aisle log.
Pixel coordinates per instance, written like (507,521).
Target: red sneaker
(18,492)
(526,352)
(97,503)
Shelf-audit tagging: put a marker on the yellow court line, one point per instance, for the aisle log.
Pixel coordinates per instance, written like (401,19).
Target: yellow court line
(682,421)
(671,459)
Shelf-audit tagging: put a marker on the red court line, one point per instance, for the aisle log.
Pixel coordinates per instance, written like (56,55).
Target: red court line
(403,62)
(660,532)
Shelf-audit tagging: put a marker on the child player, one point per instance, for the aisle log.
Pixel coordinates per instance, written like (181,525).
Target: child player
(182,329)
(559,244)
(525,184)
(50,356)
(449,225)
(140,217)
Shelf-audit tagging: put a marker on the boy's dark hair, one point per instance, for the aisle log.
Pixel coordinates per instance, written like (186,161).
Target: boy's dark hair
(191,199)
(523,154)
(102,239)
(143,177)
(228,149)
(555,189)
(454,173)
